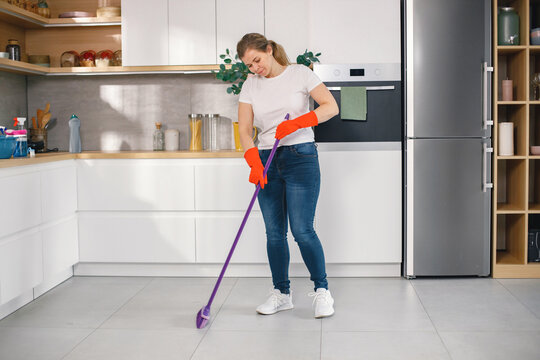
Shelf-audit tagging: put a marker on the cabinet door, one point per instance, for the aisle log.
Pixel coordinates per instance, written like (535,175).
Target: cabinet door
(21,202)
(356,31)
(135,184)
(60,247)
(145,33)
(192,32)
(59,192)
(359,211)
(235,18)
(223,185)
(137,237)
(279,25)
(21,265)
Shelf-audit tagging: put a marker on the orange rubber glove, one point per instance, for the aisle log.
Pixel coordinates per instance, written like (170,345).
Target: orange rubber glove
(257,169)
(289,126)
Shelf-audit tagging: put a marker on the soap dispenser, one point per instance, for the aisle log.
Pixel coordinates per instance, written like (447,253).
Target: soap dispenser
(74,134)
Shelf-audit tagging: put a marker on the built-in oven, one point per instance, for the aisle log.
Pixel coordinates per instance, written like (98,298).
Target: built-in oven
(383,121)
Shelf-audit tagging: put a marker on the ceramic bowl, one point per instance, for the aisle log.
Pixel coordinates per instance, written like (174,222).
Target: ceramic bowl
(535,36)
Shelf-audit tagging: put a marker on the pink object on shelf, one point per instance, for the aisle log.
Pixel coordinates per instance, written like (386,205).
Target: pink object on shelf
(507,90)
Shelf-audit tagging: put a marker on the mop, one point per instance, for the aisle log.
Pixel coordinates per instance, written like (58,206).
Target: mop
(203,316)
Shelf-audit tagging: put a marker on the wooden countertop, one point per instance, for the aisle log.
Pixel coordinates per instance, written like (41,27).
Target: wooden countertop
(58,156)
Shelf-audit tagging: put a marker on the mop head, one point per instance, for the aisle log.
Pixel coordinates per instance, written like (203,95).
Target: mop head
(203,316)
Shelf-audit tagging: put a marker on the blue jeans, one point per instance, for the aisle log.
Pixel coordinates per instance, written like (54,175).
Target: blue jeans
(291,193)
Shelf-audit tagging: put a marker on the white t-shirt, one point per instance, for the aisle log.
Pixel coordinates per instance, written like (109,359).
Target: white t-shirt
(272,98)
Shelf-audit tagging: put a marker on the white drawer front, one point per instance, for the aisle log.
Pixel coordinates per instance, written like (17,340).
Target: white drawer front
(60,247)
(136,237)
(135,185)
(59,192)
(21,202)
(223,185)
(21,265)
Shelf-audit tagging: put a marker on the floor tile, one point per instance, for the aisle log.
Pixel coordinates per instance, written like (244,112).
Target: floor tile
(522,345)
(169,303)
(473,305)
(249,345)
(376,304)
(126,344)
(526,290)
(39,343)
(80,302)
(238,311)
(387,345)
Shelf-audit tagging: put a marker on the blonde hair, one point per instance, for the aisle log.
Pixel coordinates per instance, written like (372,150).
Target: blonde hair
(260,42)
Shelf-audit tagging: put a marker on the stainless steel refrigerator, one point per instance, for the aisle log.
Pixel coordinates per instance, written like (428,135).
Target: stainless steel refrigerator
(447,153)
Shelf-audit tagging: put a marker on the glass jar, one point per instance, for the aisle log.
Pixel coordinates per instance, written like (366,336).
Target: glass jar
(88,58)
(14,50)
(159,138)
(104,58)
(507,26)
(195,131)
(69,59)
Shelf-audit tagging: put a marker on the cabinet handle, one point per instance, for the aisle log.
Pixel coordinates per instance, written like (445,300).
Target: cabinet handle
(485,73)
(485,151)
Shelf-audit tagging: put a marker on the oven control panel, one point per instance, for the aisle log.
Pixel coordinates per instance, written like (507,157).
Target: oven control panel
(358,72)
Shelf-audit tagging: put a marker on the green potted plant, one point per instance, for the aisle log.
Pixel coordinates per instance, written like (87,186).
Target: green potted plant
(238,72)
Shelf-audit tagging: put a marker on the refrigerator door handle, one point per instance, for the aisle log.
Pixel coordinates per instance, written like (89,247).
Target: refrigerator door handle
(485,184)
(485,73)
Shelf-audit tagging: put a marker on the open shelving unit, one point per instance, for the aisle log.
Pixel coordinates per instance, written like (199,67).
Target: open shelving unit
(53,36)
(516,178)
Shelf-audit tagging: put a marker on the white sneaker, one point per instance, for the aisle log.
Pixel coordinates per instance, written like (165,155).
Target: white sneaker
(323,303)
(276,302)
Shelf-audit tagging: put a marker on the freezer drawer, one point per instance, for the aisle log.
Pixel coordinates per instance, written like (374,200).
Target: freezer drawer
(448,211)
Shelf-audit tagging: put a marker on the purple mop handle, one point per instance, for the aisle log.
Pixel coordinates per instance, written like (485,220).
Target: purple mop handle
(246,216)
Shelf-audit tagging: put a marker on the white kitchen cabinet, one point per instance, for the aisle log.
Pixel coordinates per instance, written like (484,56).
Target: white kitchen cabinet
(358,217)
(21,202)
(145,32)
(21,265)
(192,32)
(59,192)
(60,247)
(289,28)
(137,237)
(222,184)
(142,184)
(355,31)
(235,18)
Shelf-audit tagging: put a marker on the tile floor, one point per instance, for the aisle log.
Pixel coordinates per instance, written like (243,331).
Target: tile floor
(376,318)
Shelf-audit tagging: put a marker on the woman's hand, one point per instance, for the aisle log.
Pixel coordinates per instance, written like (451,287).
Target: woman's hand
(289,126)
(257,169)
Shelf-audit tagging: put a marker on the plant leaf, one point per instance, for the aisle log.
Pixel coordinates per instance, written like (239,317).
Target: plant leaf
(227,61)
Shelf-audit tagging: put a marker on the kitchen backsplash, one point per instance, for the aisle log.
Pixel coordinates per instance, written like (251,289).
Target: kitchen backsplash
(119,112)
(12,97)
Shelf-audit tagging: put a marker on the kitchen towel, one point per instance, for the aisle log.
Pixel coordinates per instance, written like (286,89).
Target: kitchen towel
(353,103)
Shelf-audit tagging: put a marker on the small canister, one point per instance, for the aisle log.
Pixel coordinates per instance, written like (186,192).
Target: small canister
(171,140)
(213,128)
(14,50)
(38,135)
(195,132)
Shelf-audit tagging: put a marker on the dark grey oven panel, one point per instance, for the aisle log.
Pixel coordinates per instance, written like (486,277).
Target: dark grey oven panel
(384,116)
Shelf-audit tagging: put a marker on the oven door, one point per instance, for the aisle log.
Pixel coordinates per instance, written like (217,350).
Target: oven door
(383,121)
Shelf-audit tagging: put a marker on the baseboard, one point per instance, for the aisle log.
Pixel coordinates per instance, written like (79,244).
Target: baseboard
(16,303)
(234,270)
(53,281)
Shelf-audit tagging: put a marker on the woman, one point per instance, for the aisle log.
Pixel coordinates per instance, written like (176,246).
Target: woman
(291,187)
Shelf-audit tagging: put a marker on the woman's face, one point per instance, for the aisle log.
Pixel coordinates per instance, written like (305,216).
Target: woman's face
(258,62)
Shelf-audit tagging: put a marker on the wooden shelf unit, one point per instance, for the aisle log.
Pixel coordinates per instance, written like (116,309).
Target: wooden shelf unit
(43,36)
(516,192)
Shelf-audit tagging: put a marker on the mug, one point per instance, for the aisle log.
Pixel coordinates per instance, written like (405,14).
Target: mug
(237,144)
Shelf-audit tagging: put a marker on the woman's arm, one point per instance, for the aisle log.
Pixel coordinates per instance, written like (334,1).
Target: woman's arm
(245,125)
(328,107)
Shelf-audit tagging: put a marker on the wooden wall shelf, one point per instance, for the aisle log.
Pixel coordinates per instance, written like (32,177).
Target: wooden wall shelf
(20,67)
(16,16)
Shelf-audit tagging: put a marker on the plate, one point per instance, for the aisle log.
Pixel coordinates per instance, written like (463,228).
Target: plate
(75,14)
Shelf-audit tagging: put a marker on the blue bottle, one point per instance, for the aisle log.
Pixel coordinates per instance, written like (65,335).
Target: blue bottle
(74,134)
